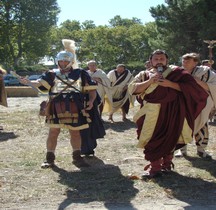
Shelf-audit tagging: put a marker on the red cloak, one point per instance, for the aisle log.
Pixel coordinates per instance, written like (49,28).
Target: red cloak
(175,107)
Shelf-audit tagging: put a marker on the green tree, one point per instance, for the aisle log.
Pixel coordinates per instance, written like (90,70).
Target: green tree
(130,42)
(70,30)
(118,21)
(88,24)
(25,29)
(184,24)
(110,46)
(71,25)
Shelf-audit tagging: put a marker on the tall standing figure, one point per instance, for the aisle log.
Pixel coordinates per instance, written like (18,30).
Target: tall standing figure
(171,101)
(103,83)
(120,78)
(206,78)
(72,94)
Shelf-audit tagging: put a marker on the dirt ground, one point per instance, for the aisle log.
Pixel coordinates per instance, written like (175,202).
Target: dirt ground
(112,182)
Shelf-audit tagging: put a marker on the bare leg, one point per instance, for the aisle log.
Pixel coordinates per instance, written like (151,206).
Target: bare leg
(123,114)
(125,109)
(75,141)
(111,117)
(52,139)
(51,146)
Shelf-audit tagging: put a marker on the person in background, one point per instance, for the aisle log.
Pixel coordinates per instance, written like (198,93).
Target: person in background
(171,101)
(147,65)
(206,78)
(3,94)
(72,94)
(206,63)
(120,78)
(209,64)
(212,116)
(103,83)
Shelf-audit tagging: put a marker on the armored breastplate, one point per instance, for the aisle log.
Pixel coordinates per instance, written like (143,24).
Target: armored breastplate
(59,85)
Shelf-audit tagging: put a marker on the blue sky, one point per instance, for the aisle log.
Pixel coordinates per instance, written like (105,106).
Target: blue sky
(101,11)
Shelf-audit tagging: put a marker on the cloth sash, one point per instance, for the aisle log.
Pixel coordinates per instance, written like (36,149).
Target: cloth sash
(103,89)
(119,95)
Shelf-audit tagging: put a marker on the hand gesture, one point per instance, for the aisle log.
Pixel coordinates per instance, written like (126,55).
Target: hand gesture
(164,82)
(89,105)
(24,81)
(154,77)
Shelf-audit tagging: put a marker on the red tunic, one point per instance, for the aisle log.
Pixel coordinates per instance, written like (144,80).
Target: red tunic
(175,107)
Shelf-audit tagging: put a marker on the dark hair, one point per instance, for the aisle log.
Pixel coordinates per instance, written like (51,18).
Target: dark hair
(159,52)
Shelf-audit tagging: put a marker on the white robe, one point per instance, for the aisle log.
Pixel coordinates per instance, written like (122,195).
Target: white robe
(104,89)
(118,89)
(209,77)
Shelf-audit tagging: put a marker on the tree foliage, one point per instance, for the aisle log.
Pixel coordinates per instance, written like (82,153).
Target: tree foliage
(184,24)
(28,31)
(107,44)
(118,21)
(25,26)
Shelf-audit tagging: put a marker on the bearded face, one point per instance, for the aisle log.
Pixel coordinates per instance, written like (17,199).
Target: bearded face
(159,60)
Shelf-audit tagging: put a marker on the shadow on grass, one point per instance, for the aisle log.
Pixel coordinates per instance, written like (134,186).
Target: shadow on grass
(100,182)
(208,165)
(4,136)
(198,193)
(119,126)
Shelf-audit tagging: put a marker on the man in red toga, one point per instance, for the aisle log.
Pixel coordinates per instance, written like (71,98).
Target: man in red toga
(171,101)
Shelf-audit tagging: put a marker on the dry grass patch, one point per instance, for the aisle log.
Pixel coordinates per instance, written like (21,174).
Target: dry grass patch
(107,183)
